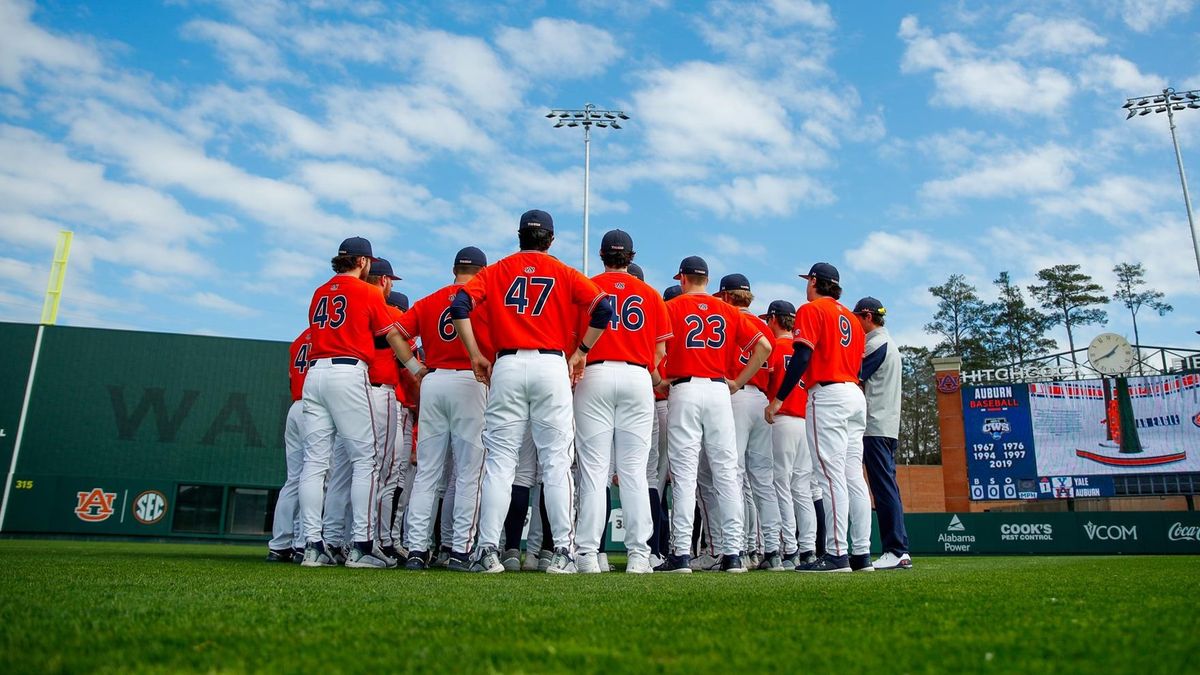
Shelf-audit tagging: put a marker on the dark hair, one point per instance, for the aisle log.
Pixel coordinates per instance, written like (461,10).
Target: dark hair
(829,288)
(739,297)
(534,239)
(694,279)
(374,279)
(617,259)
(785,322)
(344,263)
(878,319)
(466,269)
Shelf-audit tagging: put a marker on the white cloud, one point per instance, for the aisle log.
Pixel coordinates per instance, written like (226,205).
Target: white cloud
(248,56)
(216,303)
(966,77)
(26,46)
(730,245)
(884,252)
(756,196)
(1109,72)
(559,48)
(788,31)
(1146,15)
(1035,35)
(1024,172)
(369,192)
(1121,200)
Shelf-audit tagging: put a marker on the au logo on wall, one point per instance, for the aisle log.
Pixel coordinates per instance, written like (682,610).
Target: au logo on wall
(94,506)
(150,507)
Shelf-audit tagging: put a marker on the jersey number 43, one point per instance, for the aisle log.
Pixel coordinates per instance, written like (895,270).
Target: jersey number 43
(330,312)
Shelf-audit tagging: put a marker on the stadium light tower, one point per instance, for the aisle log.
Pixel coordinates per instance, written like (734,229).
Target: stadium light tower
(587,117)
(1170,101)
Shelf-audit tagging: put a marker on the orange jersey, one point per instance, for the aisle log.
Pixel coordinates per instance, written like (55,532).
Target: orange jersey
(346,315)
(638,324)
(383,367)
(761,379)
(530,301)
(836,338)
(707,334)
(429,319)
(299,355)
(781,357)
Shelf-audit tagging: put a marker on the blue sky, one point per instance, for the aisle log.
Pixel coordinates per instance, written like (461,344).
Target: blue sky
(209,156)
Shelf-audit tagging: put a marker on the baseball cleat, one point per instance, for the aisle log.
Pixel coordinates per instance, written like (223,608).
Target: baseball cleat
(372,559)
(315,555)
(337,553)
(754,560)
(791,560)
(443,557)
(732,563)
(488,562)
(705,562)
(561,562)
(602,562)
(678,564)
(531,561)
(392,554)
(283,556)
(773,562)
(638,564)
(803,560)
(416,561)
(657,561)
(459,562)
(891,561)
(861,563)
(543,560)
(298,555)
(828,563)
(512,560)
(587,563)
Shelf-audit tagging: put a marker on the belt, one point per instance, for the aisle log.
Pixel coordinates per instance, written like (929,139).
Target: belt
(382,384)
(689,378)
(339,361)
(629,363)
(452,370)
(826,383)
(510,352)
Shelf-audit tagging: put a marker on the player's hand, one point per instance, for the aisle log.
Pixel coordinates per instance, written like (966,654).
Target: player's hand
(576,365)
(663,387)
(734,387)
(772,408)
(482,369)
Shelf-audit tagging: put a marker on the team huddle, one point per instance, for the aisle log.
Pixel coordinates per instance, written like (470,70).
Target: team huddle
(524,381)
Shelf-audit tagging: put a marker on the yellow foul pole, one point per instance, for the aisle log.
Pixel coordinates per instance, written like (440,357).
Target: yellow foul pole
(58,273)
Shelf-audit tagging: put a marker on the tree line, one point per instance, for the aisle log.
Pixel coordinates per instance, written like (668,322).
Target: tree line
(1012,329)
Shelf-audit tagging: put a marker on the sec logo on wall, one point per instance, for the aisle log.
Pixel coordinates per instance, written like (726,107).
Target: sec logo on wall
(150,507)
(95,505)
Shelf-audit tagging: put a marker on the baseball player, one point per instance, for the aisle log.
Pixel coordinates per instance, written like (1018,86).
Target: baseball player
(286,542)
(531,299)
(789,441)
(828,355)
(395,490)
(345,315)
(755,461)
(384,375)
(451,419)
(707,334)
(614,409)
(880,378)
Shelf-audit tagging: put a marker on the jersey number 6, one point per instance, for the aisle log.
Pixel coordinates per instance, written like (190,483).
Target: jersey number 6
(446,327)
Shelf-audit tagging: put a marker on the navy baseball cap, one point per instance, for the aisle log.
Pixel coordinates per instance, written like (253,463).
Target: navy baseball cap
(470,256)
(398,300)
(537,218)
(779,308)
(672,292)
(356,246)
(693,264)
(636,271)
(382,268)
(616,240)
(823,270)
(869,304)
(735,282)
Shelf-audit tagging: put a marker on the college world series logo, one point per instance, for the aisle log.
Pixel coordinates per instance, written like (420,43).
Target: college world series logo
(94,506)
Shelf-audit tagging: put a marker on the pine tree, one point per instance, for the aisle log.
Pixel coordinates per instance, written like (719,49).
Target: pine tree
(1072,297)
(920,441)
(1018,330)
(961,321)
(1130,279)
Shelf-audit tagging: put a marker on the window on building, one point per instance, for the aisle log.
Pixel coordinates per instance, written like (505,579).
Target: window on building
(250,511)
(198,509)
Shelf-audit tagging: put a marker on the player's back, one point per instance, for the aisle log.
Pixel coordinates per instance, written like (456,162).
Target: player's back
(639,321)
(298,354)
(837,340)
(529,299)
(429,319)
(781,358)
(706,334)
(345,315)
(762,378)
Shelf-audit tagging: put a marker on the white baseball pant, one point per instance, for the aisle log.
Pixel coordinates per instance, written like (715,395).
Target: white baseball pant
(830,411)
(710,507)
(387,462)
(614,418)
(793,484)
(701,415)
(337,401)
(756,461)
(859,532)
(283,531)
(338,517)
(657,467)
(451,425)
(530,390)
(446,532)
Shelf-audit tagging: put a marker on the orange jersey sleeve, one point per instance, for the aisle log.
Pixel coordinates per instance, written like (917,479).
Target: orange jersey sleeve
(345,316)
(530,301)
(781,357)
(836,338)
(383,367)
(638,324)
(429,319)
(706,334)
(761,379)
(298,353)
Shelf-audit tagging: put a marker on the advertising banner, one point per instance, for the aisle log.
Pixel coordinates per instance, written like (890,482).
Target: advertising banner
(1053,533)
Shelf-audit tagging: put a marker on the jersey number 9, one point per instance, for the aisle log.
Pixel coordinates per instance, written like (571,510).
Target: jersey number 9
(844,329)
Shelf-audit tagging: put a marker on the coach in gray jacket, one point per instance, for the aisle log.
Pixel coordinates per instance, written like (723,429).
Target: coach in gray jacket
(880,378)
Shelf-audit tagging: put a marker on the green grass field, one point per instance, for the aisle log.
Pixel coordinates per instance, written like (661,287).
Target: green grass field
(85,606)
